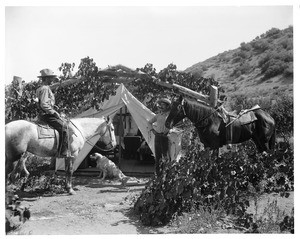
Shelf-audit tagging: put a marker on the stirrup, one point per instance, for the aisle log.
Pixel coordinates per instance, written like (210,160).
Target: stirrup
(71,157)
(68,155)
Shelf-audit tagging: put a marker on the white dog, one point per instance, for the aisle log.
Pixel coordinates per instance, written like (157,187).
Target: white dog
(108,168)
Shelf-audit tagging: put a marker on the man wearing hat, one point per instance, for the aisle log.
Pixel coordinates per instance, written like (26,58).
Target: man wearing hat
(47,113)
(17,86)
(161,143)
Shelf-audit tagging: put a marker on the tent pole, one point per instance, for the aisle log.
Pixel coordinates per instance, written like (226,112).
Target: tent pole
(120,137)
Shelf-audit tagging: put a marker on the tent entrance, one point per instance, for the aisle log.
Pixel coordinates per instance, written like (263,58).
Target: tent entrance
(135,158)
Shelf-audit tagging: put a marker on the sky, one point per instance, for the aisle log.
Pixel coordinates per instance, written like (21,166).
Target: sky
(38,37)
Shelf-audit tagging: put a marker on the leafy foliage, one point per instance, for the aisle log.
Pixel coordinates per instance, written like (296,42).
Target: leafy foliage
(94,89)
(224,182)
(283,113)
(171,75)
(71,100)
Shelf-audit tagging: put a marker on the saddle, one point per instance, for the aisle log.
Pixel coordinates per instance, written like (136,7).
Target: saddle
(45,131)
(244,117)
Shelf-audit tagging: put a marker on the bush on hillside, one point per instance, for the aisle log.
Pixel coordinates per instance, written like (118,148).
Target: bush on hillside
(273,33)
(273,68)
(260,46)
(245,46)
(243,68)
(236,60)
(243,54)
(289,71)
(273,64)
(287,44)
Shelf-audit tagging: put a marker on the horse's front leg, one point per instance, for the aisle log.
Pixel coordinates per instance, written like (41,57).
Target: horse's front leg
(69,161)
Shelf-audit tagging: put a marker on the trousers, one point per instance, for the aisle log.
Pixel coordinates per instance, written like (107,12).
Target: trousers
(61,127)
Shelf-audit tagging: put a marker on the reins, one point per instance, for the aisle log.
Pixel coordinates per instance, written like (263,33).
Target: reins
(97,147)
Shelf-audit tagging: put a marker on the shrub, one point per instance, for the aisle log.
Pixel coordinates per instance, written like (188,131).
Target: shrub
(242,54)
(236,60)
(273,33)
(246,47)
(289,71)
(273,68)
(260,46)
(199,180)
(274,64)
(283,113)
(287,43)
(264,60)
(242,69)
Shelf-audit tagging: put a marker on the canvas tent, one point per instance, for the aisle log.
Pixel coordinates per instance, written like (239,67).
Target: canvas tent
(139,112)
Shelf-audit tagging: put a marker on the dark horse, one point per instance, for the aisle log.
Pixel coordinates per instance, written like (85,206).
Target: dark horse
(212,128)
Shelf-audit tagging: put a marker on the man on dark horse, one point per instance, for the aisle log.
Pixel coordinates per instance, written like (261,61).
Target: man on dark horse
(48,114)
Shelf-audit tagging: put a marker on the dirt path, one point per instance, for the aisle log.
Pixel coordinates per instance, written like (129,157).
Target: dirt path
(97,208)
(103,208)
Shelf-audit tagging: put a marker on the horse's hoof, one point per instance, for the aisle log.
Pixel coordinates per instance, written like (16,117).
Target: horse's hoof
(71,192)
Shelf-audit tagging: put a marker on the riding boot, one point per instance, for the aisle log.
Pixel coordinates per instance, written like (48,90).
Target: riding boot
(64,152)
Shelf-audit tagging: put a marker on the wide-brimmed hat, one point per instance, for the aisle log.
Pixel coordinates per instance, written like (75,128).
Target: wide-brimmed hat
(164,100)
(47,73)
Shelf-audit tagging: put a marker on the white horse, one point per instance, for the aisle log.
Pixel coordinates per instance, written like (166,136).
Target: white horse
(22,136)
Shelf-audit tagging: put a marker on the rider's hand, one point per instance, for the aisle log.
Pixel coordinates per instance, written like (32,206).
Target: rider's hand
(57,114)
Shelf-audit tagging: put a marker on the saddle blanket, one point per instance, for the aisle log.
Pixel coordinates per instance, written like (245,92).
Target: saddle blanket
(45,131)
(247,118)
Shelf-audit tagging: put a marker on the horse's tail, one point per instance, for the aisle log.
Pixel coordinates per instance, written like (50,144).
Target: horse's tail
(6,166)
(272,140)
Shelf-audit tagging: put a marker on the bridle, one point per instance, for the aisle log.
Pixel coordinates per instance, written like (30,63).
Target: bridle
(108,128)
(179,107)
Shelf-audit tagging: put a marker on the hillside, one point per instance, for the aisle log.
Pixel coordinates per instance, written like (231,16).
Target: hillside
(256,68)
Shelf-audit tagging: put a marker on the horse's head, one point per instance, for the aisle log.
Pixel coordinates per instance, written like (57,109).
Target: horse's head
(177,113)
(107,139)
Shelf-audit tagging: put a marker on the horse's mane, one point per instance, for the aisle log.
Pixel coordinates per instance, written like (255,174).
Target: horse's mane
(197,110)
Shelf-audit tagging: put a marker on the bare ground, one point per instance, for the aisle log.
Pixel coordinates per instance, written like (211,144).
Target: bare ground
(101,208)
(97,208)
